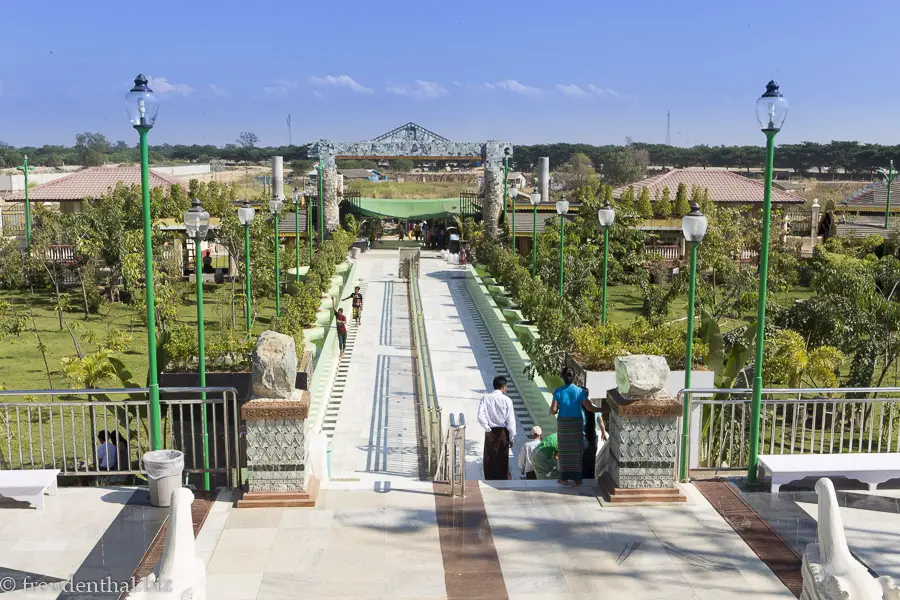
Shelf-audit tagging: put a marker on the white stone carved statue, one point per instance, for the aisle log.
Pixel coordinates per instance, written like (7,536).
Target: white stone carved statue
(830,572)
(182,574)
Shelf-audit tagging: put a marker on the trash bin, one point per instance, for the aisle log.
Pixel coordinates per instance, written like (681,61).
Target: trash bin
(164,471)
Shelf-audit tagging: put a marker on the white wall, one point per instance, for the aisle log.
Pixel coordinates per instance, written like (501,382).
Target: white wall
(182,170)
(16,183)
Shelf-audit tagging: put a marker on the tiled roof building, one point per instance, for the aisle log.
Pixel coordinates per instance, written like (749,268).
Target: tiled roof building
(725,187)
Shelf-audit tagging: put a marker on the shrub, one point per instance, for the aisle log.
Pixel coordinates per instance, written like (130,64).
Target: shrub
(597,346)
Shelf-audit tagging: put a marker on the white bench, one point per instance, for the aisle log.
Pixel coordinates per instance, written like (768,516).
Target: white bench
(871,469)
(29,486)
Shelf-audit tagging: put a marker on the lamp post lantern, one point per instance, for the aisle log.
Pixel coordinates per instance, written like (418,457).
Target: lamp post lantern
(25,171)
(694,225)
(606,214)
(196,225)
(887,175)
(771,110)
(535,199)
(562,208)
(245,215)
(296,197)
(142,107)
(513,194)
(275,205)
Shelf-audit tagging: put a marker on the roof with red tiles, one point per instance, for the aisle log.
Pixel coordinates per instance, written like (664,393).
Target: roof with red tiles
(89,183)
(724,186)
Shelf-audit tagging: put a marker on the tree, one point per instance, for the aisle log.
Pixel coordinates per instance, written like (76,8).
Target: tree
(706,203)
(247,139)
(662,209)
(682,206)
(577,172)
(644,206)
(627,199)
(91,148)
(625,166)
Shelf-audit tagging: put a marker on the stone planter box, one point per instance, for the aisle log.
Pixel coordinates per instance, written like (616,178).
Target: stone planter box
(599,383)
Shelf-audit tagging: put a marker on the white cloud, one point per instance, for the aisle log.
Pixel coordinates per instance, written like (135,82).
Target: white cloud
(570,90)
(341,81)
(420,89)
(161,85)
(511,85)
(280,87)
(602,91)
(217,91)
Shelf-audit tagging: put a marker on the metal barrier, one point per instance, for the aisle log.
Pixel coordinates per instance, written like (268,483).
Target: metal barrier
(797,425)
(430,410)
(452,463)
(62,433)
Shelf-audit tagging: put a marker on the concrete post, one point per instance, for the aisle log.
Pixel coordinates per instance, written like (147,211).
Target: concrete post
(814,221)
(544,178)
(278,177)
(493,196)
(332,199)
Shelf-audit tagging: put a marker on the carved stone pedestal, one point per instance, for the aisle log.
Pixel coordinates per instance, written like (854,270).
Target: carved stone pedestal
(643,434)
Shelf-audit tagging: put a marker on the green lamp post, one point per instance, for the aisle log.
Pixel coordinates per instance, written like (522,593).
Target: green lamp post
(606,214)
(142,107)
(505,185)
(887,175)
(308,193)
(562,209)
(513,194)
(694,225)
(771,110)
(25,171)
(196,225)
(246,213)
(535,199)
(297,198)
(275,205)
(321,203)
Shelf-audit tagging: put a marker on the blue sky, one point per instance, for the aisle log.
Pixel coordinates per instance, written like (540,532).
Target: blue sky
(525,72)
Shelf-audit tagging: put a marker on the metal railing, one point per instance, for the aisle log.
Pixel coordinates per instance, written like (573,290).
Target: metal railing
(430,410)
(452,462)
(811,421)
(61,433)
(667,252)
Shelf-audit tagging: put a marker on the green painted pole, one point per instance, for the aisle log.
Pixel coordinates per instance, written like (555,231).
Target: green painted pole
(201,361)
(534,243)
(277,272)
(247,275)
(689,350)
(562,253)
(297,242)
(756,404)
(887,212)
(309,231)
(25,170)
(321,205)
(152,373)
(605,266)
(506,190)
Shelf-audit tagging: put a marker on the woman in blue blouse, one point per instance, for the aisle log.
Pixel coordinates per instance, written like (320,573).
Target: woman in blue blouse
(568,406)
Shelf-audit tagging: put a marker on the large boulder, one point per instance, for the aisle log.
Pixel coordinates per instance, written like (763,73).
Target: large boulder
(274,370)
(641,375)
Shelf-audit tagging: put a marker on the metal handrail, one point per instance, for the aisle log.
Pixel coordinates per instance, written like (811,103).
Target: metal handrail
(59,422)
(452,462)
(430,410)
(799,402)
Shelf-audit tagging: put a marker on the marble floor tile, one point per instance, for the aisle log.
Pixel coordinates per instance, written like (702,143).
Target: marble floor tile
(247,539)
(233,586)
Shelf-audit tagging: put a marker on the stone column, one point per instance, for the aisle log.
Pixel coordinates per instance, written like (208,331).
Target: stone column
(643,434)
(544,178)
(493,196)
(332,200)
(278,177)
(814,222)
(275,420)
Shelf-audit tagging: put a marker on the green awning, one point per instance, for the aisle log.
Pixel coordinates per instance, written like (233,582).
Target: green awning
(431,208)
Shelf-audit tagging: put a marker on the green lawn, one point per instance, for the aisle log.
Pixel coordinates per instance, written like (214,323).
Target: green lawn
(21,363)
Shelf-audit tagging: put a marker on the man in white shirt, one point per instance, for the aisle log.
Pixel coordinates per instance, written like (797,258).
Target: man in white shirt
(106,452)
(497,416)
(525,466)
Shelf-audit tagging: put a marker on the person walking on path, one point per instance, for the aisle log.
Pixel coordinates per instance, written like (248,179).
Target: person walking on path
(498,417)
(340,320)
(526,466)
(568,406)
(544,458)
(357,304)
